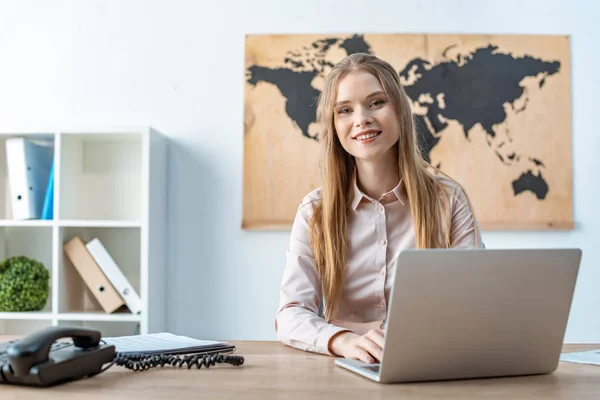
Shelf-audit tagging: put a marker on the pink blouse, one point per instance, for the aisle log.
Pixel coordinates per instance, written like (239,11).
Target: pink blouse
(379,229)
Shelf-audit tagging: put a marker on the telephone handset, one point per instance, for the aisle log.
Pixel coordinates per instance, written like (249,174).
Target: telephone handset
(41,359)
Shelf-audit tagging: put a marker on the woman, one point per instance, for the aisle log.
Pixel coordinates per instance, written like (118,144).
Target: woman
(378,197)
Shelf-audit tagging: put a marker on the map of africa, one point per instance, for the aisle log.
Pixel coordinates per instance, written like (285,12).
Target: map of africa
(469,91)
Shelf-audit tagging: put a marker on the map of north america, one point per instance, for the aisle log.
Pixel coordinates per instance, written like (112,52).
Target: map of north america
(470,90)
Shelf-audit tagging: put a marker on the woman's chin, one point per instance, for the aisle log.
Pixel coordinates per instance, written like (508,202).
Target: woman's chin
(370,156)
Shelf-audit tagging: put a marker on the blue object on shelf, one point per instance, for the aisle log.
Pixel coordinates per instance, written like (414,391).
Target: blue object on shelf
(28,168)
(48,208)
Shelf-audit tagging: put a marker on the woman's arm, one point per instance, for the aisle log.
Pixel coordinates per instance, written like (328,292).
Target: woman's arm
(465,227)
(360,328)
(297,322)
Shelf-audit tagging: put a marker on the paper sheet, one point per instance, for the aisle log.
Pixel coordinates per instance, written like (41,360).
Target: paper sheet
(158,342)
(582,357)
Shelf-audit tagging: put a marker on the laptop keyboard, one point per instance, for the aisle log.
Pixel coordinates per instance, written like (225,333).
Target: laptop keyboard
(374,368)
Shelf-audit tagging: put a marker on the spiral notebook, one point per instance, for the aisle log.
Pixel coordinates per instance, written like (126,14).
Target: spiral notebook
(166,343)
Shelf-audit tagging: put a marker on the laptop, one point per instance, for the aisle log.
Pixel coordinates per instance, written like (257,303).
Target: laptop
(474,313)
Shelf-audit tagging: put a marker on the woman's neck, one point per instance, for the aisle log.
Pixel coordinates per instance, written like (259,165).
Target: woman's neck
(378,176)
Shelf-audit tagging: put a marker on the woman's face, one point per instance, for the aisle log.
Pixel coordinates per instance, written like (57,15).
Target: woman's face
(364,118)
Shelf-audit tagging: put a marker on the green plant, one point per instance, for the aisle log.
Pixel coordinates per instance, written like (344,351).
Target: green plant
(24,284)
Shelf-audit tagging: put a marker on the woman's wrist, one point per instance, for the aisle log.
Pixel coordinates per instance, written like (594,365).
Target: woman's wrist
(337,341)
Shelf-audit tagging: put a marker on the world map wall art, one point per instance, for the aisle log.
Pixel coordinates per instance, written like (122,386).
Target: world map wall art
(492,111)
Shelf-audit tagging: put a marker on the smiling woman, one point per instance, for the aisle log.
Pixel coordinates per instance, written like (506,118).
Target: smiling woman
(379,197)
(366,125)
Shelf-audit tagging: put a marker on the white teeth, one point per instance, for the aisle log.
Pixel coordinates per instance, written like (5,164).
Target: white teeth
(367,136)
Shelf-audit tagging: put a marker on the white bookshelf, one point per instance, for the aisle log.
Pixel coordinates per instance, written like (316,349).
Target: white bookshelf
(110,184)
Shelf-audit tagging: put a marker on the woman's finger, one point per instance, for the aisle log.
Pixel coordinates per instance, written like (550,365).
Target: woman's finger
(376,336)
(371,347)
(363,355)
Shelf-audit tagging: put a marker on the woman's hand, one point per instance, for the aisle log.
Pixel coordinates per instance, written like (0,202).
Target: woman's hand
(367,348)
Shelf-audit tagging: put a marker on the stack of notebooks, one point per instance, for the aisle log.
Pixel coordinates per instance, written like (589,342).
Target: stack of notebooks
(102,275)
(165,343)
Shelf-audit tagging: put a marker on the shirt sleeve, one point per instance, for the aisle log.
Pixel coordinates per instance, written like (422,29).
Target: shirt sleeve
(297,322)
(465,231)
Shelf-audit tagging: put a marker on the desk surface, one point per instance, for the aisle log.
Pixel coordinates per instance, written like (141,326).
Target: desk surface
(274,370)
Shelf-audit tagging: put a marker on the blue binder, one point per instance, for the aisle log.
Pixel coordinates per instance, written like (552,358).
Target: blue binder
(48,207)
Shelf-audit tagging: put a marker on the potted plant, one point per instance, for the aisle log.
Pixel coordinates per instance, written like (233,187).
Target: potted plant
(24,284)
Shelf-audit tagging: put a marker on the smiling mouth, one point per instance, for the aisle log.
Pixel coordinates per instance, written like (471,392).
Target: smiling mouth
(367,135)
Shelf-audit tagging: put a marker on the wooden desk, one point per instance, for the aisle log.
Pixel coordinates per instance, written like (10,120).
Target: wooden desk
(272,370)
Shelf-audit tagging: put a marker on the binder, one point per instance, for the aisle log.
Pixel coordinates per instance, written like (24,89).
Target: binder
(48,207)
(28,164)
(92,275)
(115,275)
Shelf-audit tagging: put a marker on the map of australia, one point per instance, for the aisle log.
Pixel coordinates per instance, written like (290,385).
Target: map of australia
(471,90)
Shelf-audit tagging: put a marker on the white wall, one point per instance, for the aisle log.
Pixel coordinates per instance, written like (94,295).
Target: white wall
(178,66)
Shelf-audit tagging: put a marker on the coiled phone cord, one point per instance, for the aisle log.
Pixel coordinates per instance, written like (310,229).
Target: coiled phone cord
(143,362)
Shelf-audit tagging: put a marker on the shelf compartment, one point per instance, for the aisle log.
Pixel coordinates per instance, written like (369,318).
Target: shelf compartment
(5,195)
(100,176)
(31,242)
(123,245)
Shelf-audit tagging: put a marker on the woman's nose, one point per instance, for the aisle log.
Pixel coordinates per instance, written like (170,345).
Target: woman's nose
(363,117)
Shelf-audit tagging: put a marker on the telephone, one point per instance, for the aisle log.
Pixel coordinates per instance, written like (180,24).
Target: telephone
(41,359)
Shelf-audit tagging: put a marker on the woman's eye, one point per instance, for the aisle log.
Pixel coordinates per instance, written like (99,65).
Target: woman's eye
(377,102)
(343,111)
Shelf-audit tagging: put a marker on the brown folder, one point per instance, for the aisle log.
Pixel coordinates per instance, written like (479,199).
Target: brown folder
(92,275)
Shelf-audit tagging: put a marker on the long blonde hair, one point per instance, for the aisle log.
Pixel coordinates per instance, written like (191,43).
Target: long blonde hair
(429,202)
